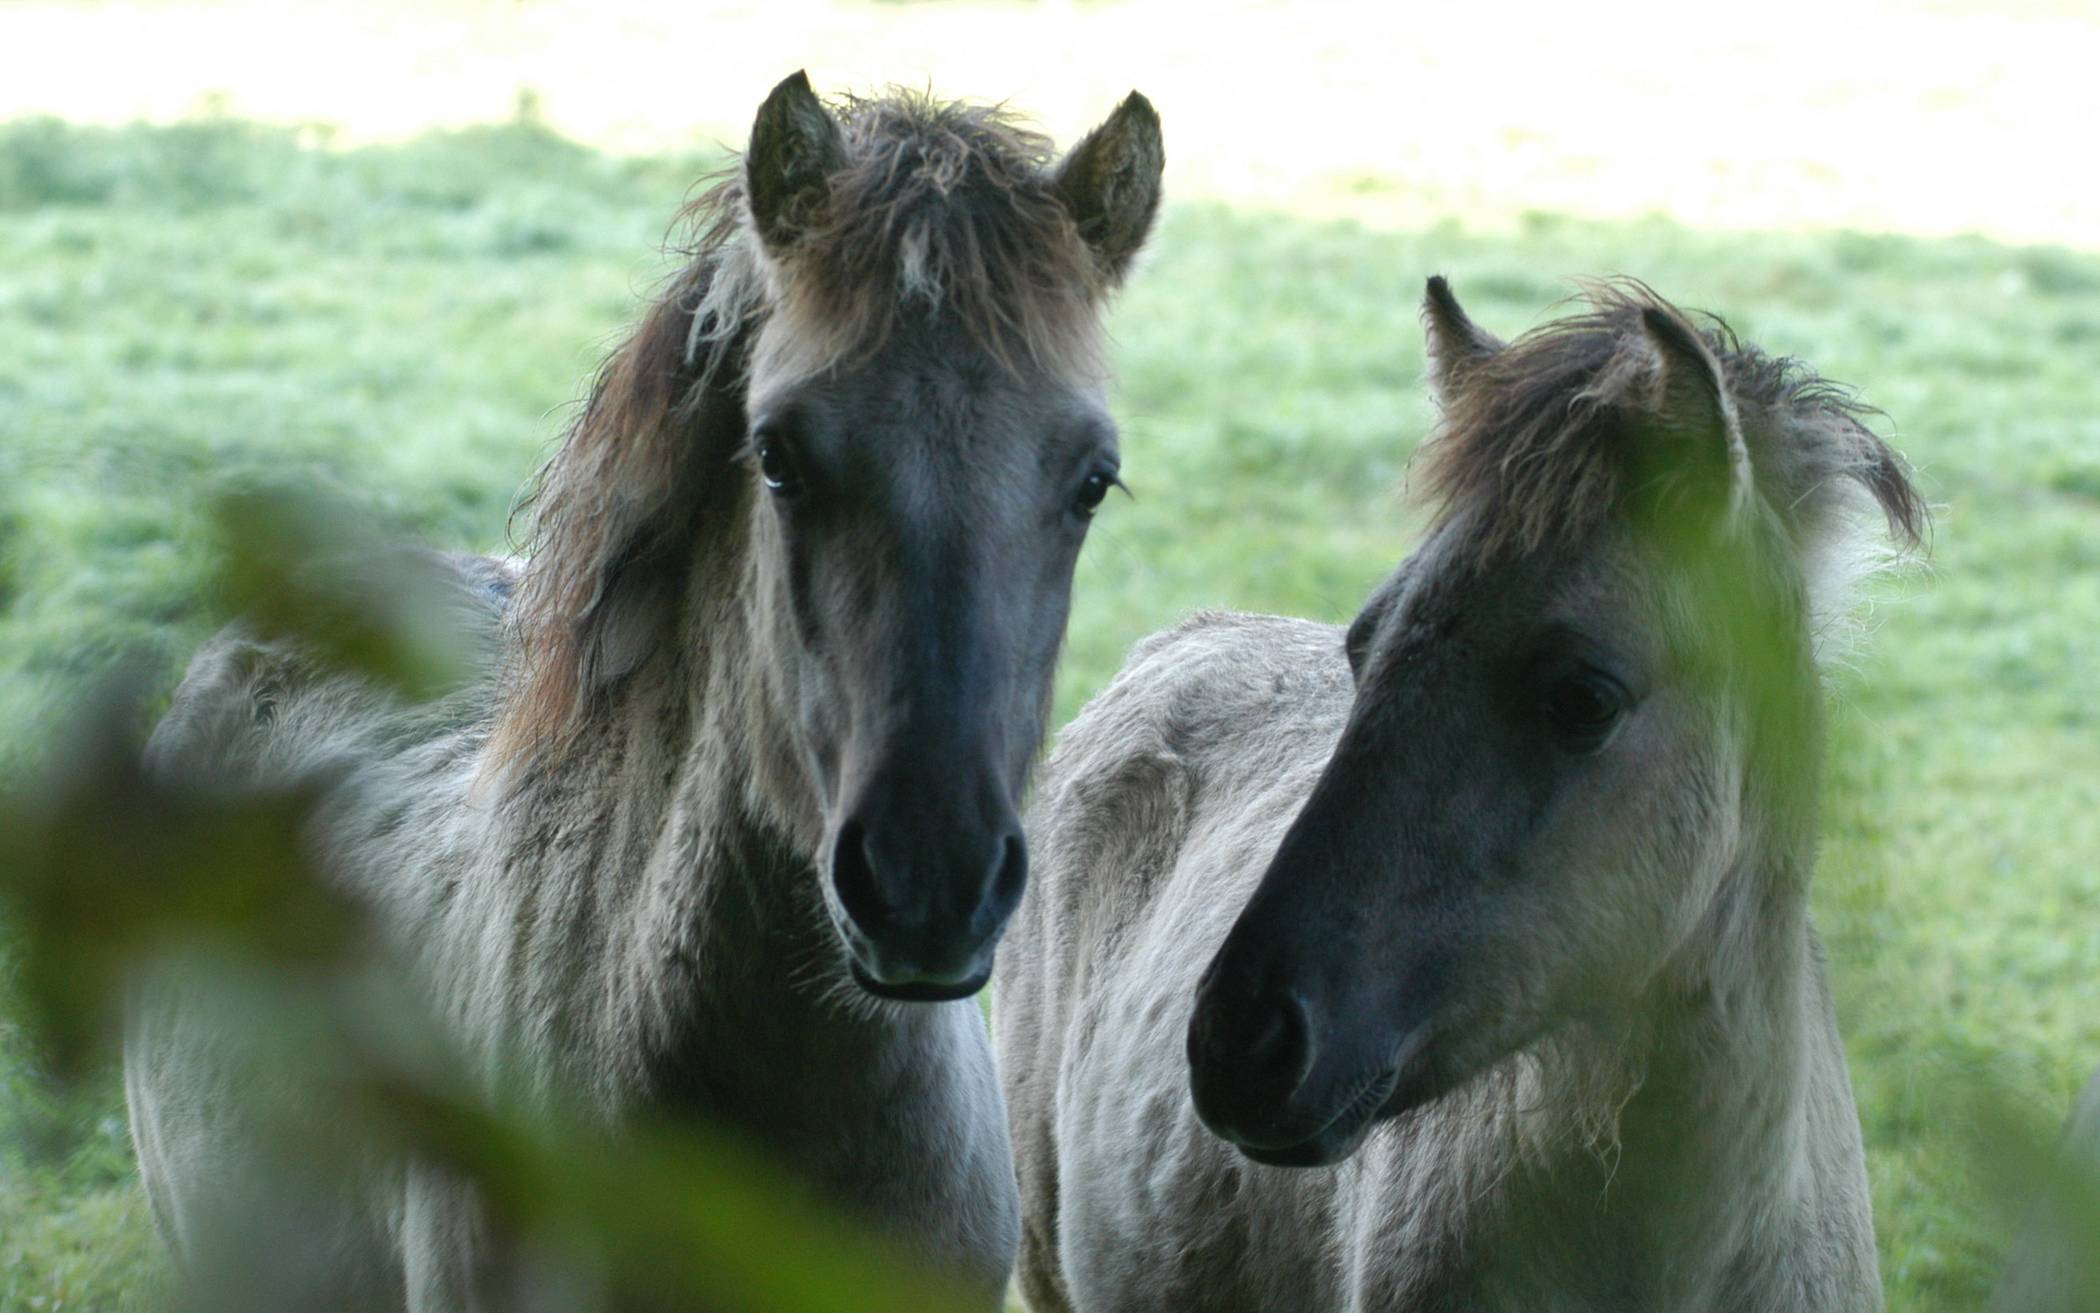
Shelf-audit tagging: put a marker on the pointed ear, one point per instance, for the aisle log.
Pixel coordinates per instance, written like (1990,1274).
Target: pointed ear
(1110,183)
(1456,344)
(1692,417)
(796,146)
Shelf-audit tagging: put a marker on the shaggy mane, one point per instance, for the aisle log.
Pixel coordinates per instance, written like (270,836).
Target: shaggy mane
(1534,447)
(941,206)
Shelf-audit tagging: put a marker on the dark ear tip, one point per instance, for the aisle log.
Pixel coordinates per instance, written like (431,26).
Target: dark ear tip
(1661,323)
(1671,333)
(1137,122)
(787,92)
(1136,104)
(1440,305)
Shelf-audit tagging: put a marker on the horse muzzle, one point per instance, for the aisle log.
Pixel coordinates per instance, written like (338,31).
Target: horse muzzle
(922,913)
(1274,1075)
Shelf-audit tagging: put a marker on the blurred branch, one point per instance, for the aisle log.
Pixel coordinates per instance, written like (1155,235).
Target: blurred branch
(117,882)
(2054,1264)
(101,869)
(293,565)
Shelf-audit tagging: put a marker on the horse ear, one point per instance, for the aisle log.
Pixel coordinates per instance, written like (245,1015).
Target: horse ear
(796,145)
(1688,401)
(1456,344)
(1110,183)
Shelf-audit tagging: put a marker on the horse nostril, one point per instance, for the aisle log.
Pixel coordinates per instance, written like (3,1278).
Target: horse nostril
(853,878)
(1010,879)
(1251,1053)
(1279,1039)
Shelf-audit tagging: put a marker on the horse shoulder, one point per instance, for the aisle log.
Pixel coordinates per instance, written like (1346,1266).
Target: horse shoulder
(1110,805)
(221,713)
(1199,750)
(1207,715)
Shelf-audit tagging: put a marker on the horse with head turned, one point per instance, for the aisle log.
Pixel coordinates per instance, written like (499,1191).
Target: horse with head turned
(1461,958)
(726,828)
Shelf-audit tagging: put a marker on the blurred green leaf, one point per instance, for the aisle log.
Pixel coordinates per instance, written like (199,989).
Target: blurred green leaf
(2051,1183)
(116,879)
(101,869)
(295,565)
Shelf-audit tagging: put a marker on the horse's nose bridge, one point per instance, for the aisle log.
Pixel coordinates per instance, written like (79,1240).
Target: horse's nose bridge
(943,739)
(948,648)
(1408,799)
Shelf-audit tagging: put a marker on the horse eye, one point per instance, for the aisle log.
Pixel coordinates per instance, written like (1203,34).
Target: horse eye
(777,468)
(1583,707)
(1094,489)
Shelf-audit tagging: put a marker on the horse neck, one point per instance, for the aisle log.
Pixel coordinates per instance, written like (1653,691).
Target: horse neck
(1719,1123)
(722,974)
(1708,1166)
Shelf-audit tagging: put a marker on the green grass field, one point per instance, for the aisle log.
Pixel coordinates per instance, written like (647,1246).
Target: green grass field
(187,306)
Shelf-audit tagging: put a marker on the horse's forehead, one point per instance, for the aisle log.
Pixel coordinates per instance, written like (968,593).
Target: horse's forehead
(1453,594)
(950,399)
(1444,582)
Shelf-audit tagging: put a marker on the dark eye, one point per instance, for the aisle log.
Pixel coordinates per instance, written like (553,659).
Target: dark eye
(1093,489)
(777,468)
(1582,707)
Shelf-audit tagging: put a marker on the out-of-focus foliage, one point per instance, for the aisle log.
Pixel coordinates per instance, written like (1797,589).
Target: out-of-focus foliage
(189,308)
(105,871)
(2054,1186)
(108,871)
(361,605)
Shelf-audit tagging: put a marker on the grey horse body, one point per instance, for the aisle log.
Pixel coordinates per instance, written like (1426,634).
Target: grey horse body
(890,1110)
(738,773)
(1461,959)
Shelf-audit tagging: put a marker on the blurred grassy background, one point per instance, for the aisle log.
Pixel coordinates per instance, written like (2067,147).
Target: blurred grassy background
(317,266)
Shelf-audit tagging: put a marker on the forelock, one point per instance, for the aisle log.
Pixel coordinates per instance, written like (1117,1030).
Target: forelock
(940,209)
(1533,449)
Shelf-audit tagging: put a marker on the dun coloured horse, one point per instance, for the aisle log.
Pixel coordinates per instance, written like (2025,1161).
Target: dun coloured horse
(1462,959)
(727,829)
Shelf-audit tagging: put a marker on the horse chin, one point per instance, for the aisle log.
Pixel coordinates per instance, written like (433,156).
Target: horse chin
(1339,1138)
(1420,1073)
(1323,1150)
(920,991)
(1432,1065)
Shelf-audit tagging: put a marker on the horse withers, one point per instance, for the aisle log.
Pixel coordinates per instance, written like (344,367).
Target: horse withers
(1461,958)
(726,830)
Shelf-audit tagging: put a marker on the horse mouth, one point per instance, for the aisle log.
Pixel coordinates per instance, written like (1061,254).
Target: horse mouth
(1343,1134)
(920,991)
